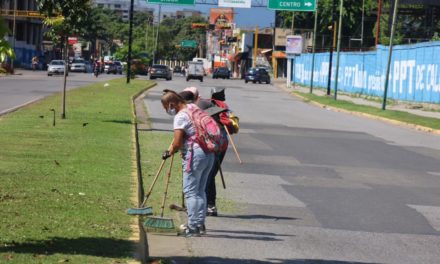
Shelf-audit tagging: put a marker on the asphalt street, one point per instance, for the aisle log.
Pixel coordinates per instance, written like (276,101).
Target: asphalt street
(316,186)
(28,86)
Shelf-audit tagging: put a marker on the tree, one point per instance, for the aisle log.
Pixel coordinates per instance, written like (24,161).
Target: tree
(5,48)
(65,17)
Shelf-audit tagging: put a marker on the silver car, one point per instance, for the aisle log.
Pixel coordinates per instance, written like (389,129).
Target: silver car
(78,65)
(56,67)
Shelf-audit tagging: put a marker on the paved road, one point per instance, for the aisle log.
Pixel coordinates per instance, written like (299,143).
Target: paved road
(318,186)
(28,86)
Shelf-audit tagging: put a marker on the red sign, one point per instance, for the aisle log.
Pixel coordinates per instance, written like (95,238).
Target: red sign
(72,40)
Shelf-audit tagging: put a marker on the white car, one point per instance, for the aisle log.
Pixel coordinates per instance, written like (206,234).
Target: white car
(56,67)
(78,65)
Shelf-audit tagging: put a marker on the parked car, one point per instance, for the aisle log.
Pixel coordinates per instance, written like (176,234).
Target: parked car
(56,67)
(257,75)
(221,72)
(107,66)
(118,67)
(78,65)
(160,71)
(177,69)
(195,71)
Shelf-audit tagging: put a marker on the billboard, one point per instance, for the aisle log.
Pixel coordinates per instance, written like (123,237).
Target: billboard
(221,17)
(294,44)
(235,3)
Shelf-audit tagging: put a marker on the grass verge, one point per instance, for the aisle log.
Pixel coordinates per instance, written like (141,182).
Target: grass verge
(65,188)
(401,116)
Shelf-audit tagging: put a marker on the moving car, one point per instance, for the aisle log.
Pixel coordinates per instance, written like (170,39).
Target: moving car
(257,75)
(56,67)
(177,69)
(221,72)
(160,71)
(195,71)
(78,65)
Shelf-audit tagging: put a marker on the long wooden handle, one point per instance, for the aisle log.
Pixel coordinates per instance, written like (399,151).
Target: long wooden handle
(153,183)
(166,186)
(221,172)
(233,145)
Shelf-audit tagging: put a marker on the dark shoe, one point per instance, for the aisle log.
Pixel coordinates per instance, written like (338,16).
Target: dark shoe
(211,211)
(202,229)
(188,232)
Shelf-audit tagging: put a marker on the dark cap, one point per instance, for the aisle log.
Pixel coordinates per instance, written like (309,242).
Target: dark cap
(218,93)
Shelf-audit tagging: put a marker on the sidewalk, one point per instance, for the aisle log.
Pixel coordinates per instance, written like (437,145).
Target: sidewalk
(421,109)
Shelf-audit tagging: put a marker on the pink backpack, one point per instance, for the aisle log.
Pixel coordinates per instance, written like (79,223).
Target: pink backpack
(208,134)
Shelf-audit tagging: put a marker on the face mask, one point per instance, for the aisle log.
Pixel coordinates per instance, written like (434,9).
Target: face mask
(171,111)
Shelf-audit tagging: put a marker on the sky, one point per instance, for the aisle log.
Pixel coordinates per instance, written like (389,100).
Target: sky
(244,17)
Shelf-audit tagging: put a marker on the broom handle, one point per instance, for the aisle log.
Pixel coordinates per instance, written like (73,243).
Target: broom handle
(154,181)
(166,186)
(233,145)
(221,171)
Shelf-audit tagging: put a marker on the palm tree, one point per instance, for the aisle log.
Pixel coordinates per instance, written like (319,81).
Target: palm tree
(5,48)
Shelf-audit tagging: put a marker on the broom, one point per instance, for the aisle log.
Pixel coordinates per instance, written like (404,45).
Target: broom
(162,222)
(142,210)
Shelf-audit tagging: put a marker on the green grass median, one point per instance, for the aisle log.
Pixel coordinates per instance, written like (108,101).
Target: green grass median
(64,189)
(401,116)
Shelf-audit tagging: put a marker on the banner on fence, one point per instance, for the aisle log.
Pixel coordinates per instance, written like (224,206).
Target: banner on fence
(414,76)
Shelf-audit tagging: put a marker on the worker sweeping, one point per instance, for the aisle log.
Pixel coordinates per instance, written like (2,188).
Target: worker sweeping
(196,161)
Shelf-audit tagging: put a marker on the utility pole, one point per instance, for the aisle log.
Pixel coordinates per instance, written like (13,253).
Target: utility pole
(331,47)
(341,9)
(157,36)
(390,54)
(315,27)
(362,26)
(254,61)
(130,41)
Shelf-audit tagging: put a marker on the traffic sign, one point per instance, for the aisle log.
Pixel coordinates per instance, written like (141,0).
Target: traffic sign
(188,44)
(292,5)
(172,2)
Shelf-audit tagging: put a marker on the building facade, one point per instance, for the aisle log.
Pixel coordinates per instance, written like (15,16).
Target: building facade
(26,31)
(122,7)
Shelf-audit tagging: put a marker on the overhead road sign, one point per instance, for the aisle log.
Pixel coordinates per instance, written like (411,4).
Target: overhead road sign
(172,2)
(292,5)
(188,44)
(235,3)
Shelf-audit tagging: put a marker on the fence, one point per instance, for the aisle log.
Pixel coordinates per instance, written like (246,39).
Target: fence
(414,72)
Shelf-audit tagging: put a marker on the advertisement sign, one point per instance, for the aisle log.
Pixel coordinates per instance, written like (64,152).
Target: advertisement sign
(292,5)
(280,36)
(294,44)
(72,40)
(172,2)
(235,3)
(221,17)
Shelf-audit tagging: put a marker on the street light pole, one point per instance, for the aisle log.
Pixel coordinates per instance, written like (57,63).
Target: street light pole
(157,36)
(314,46)
(13,33)
(331,47)
(341,8)
(130,41)
(390,54)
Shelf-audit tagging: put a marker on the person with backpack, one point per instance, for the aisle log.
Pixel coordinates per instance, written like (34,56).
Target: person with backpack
(193,137)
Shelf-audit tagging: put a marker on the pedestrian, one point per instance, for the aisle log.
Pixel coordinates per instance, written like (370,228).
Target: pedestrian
(222,118)
(34,63)
(196,164)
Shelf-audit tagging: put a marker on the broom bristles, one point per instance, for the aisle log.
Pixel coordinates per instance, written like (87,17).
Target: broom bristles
(140,211)
(159,223)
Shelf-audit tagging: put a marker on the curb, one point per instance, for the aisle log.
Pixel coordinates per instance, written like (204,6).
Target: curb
(15,108)
(384,119)
(335,109)
(141,252)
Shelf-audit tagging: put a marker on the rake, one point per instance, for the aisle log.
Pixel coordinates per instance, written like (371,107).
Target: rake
(162,222)
(142,210)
